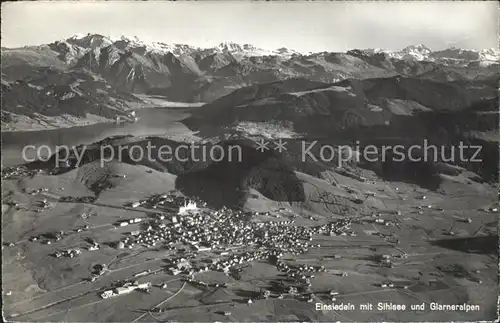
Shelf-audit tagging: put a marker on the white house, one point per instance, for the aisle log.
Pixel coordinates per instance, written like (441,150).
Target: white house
(189,207)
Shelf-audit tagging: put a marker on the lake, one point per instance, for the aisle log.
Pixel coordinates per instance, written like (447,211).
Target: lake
(152,122)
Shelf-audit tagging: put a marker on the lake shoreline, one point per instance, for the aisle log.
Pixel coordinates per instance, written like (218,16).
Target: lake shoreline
(152,122)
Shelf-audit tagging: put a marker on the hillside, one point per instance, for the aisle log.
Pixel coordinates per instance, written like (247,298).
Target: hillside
(381,112)
(39,91)
(340,105)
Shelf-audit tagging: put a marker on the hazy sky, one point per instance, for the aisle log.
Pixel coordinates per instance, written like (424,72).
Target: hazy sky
(304,26)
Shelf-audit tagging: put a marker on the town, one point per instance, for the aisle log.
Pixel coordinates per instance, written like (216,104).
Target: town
(164,254)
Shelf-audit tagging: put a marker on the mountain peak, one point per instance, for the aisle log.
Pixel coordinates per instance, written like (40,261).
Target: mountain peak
(229,46)
(416,48)
(88,41)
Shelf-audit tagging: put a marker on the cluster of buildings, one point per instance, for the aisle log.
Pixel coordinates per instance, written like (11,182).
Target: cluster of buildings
(126,288)
(18,172)
(38,191)
(209,230)
(70,253)
(228,241)
(48,238)
(341,227)
(78,199)
(73,252)
(128,118)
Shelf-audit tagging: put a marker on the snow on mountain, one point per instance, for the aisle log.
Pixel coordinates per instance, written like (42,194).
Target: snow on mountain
(413,52)
(176,49)
(449,55)
(248,50)
(68,52)
(77,45)
(491,54)
(73,48)
(283,51)
(89,41)
(233,47)
(133,42)
(417,52)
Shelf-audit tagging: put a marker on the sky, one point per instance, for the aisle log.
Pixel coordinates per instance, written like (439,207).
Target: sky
(311,26)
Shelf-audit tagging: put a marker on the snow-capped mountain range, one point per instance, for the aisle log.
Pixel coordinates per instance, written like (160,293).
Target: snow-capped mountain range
(78,44)
(423,53)
(109,68)
(189,73)
(416,52)
(94,41)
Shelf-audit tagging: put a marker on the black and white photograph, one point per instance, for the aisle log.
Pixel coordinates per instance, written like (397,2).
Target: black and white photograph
(250,161)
